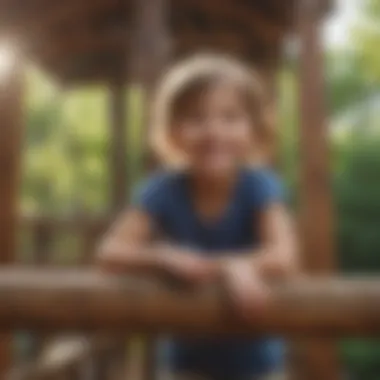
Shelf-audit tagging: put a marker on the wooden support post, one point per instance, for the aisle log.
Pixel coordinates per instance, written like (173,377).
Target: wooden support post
(268,76)
(119,192)
(150,49)
(118,166)
(11,130)
(317,359)
(150,43)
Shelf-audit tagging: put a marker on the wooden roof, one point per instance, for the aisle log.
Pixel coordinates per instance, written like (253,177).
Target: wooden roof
(83,40)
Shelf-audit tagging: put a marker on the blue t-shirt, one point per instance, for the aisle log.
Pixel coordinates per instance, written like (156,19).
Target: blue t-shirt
(165,197)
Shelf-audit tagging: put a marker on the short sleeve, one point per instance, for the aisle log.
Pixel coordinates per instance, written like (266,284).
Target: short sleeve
(265,188)
(150,195)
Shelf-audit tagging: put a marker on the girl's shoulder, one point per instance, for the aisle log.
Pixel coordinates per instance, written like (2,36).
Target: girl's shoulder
(263,185)
(262,175)
(154,192)
(158,181)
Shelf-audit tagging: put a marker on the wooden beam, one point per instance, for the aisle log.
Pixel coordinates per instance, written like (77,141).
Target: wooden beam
(240,15)
(151,42)
(39,22)
(63,299)
(59,47)
(316,359)
(57,50)
(149,52)
(223,41)
(117,151)
(11,132)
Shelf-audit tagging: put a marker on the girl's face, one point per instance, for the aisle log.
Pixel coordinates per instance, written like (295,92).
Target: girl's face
(215,132)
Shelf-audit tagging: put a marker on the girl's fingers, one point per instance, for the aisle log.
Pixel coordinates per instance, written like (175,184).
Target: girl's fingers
(187,268)
(246,289)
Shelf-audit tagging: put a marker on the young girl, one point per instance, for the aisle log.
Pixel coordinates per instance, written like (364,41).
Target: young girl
(218,207)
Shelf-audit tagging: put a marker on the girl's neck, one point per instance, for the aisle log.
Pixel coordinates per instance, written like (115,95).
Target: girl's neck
(213,186)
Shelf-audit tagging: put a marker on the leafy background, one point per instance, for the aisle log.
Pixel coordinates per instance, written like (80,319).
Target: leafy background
(66,155)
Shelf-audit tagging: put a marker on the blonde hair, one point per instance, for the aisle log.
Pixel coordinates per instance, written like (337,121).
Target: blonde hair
(188,78)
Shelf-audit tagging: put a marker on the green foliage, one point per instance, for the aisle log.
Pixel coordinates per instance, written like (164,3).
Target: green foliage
(346,80)
(357,189)
(66,155)
(365,36)
(362,359)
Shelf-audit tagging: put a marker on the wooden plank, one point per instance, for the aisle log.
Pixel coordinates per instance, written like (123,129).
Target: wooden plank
(149,52)
(117,151)
(11,131)
(75,299)
(56,50)
(240,15)
(42,238)
(316,359)
(151,43)
(16,20)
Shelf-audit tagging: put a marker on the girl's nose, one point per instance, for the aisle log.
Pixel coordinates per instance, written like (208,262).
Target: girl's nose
(213,125)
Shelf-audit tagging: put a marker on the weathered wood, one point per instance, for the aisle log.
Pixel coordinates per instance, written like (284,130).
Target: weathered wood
(57,49)
(241,15)
(89,242)
(117,151)
(42,237)
(316,359)
(60,35)
(11,131)
(62,299)
(151,42)
(150,50)
(33,21)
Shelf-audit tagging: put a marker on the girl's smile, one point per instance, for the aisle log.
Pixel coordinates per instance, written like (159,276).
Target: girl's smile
(215,131)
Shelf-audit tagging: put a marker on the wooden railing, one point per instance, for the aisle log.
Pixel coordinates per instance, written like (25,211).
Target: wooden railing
(99,356)
(88,300)
(48,300)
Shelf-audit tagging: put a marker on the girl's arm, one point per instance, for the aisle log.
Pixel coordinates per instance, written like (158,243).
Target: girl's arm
(128,248)
(278,255)
(124,247)
(248,274)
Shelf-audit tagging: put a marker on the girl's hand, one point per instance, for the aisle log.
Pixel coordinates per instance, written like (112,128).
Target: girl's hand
(246,289)
(186,266)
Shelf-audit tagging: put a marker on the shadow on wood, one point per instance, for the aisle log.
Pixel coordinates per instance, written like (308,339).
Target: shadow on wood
(85,300)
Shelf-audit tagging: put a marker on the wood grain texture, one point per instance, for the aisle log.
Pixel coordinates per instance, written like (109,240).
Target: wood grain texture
(65,299)
(11,132)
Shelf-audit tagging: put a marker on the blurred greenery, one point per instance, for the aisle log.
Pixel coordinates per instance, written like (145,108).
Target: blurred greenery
(66,154)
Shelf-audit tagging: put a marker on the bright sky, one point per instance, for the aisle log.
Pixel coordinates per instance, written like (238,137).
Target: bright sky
(337,27)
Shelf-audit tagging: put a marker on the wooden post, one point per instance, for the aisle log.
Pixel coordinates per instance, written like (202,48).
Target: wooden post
(149,49)
(119,191)
(11,129)
(118,167)
(316,359)
(268,76)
